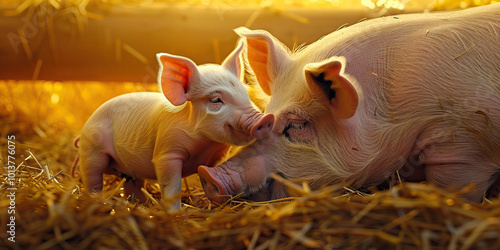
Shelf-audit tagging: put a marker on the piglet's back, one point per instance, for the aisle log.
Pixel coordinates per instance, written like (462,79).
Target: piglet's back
(126,126)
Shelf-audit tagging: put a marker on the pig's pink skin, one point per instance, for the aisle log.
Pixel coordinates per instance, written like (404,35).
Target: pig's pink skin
(243,173)
(128,128)
(250,124)
(144,136)
(144,141)
(231,178)
(428,88)
(256,124)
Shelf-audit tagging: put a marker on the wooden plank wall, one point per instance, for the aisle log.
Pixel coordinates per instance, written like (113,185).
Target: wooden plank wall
(119,43)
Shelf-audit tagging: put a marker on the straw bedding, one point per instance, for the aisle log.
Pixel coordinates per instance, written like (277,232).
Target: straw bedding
(52,212)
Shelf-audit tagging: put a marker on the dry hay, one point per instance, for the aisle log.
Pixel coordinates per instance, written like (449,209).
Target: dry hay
(52,212)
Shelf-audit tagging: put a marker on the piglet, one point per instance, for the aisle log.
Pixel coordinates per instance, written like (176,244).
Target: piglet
(166,136)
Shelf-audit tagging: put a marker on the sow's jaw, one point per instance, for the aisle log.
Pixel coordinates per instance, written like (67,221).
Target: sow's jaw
(245,173)
(220,186)
(249,171)
(221,182)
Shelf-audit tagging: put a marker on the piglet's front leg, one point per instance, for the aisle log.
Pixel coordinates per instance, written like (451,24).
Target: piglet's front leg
(168,168)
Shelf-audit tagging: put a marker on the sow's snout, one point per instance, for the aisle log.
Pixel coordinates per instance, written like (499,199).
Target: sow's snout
(212,185)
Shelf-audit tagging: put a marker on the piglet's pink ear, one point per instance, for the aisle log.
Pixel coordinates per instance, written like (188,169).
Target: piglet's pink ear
(175,77)
(326,80)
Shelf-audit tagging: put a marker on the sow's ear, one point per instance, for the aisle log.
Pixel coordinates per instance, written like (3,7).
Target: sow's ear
(325,79)
(175,77)
(264,54)
(233,62)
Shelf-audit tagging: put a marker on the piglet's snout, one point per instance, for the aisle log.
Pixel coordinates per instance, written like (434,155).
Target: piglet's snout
(263,126)
(212,186)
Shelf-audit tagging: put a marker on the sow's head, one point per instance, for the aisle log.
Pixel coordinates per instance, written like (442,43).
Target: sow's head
(311,101)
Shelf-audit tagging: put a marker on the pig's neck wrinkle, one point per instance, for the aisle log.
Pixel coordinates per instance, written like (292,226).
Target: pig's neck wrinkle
(348,141)
(194,117)
(368,148)
(186,119)
(191,114)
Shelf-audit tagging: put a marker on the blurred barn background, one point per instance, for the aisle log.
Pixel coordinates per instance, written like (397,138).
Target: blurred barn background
(101,40)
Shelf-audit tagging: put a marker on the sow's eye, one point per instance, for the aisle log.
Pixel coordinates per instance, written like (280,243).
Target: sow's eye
(298,130)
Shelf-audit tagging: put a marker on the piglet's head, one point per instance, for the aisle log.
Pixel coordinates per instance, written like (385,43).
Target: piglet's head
(220,106)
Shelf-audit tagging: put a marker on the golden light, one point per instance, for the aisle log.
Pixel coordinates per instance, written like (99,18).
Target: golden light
(54,98)
(62,59)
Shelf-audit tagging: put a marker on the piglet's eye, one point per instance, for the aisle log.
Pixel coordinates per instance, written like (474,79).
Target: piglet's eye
(216,100)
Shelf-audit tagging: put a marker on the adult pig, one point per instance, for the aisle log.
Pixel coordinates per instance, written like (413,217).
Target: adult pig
(418,93)
(148,136)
